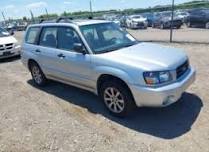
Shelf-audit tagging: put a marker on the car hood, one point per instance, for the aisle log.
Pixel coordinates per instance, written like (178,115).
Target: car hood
(7,39)
(147,56)
(139,19)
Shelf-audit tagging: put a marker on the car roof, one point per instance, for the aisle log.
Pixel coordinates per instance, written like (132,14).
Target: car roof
(88,22)
(136,15)
(72,22)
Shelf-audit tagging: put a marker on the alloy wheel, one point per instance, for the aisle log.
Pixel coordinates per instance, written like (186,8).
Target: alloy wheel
(36,73)
(114,100)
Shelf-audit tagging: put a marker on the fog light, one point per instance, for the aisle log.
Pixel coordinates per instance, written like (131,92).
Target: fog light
(168,100)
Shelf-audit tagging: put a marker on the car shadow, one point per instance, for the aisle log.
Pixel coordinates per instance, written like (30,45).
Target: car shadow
(168,123)
(10,59)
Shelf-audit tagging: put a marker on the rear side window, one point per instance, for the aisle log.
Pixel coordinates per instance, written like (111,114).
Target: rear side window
(32,34)
(49,37)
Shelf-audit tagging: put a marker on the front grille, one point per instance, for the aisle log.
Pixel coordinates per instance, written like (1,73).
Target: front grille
(8,46)
(1,47)
(140,24)
(182,69)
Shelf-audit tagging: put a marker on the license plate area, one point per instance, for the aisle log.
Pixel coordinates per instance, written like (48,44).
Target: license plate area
(7,53)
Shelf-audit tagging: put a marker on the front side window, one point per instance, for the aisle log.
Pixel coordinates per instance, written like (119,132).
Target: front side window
(106,37)
(49,37)
(67,37)
(32,35)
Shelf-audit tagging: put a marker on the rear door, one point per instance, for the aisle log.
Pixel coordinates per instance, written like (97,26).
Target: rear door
(47,51)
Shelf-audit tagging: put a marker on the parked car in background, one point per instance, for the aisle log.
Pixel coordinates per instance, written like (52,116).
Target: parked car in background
(123,21)
(136,22)
(149,17)
(21,26)
(112,17)
(100,57)
(8,45)
(163,21)
(182,15)
(198,18)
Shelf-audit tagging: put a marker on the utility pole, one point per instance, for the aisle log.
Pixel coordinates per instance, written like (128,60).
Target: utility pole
(3,16)
(47,14)
(32,17)
(172,16)
(5,24)
(90,4)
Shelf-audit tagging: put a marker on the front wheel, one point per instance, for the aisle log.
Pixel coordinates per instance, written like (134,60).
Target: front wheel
(37,74)
(207,25)
(117,98)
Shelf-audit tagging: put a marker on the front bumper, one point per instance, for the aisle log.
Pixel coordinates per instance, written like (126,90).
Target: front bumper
(10,53)
(162,96)
(140,25)
(176,23)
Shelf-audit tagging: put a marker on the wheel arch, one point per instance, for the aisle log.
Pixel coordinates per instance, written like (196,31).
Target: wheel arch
(30,61)
(109,77)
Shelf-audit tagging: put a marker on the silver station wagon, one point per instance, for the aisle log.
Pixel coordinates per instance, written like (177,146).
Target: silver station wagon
(103,58)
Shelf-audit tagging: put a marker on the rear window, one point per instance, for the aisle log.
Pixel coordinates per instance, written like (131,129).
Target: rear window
(32,34)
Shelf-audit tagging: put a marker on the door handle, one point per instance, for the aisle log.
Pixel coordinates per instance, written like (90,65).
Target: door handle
(61,55)
(37,51)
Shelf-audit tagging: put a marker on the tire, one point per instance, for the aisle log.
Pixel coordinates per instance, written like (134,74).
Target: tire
(162,26)
(178,27)
(207,25)
(37,74)
(117,98)
(131,26)
(189,24)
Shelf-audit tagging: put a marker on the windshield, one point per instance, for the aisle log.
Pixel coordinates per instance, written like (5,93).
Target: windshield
(3,32)
(106,37)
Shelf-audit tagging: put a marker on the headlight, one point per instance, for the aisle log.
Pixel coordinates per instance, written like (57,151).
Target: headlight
(153,78)
(16,45)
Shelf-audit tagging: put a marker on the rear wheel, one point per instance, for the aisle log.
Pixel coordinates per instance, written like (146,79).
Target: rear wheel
(117,98)
(37,74)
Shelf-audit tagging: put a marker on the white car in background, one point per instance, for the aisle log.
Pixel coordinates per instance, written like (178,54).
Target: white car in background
(182,15)
(9,46)
(136,21)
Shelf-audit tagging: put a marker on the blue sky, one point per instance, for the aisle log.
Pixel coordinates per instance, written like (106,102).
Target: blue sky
(20,8)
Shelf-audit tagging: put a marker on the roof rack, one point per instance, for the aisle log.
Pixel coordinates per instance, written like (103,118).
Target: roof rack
(59,20)
(47,21)
(64,20)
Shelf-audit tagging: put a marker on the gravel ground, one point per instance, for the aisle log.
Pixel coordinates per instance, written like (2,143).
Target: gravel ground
(61,118)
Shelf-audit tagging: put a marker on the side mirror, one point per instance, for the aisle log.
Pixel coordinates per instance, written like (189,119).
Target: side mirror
(78,47)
